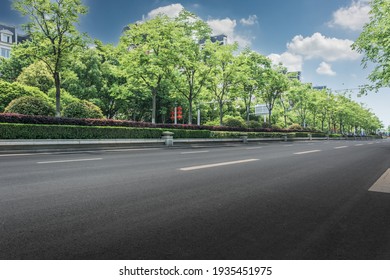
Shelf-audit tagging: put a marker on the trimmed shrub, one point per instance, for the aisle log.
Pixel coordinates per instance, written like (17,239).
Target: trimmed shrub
(17,118)
(254,124)
(183,133)
(23,131)
(31,105)
(295,126)
(37,75)
(234,122)
(83,109)
(11,91)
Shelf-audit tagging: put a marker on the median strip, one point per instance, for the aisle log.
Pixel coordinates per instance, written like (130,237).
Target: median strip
(216,164)
(307,152)
(71,160)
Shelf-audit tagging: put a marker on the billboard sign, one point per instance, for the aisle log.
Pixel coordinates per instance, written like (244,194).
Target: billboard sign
(261,110)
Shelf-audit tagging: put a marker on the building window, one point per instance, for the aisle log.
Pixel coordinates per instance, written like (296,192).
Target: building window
(6,38)
(5,52)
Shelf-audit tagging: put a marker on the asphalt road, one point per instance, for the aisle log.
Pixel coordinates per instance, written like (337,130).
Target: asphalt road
(306,200)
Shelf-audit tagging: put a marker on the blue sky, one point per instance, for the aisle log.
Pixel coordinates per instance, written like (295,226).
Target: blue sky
(312,36)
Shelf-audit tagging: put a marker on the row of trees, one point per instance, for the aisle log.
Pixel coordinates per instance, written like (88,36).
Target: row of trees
(166,61)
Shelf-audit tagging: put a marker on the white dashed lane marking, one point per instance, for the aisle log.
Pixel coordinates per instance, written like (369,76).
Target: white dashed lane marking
(217,164)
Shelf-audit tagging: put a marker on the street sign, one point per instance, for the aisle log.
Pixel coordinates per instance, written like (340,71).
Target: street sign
(261,110)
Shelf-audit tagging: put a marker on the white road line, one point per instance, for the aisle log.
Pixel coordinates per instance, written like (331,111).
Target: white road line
(382,184)
(66,161)
(307,152)
(341,147)
(254,148)
(217,164)
(197,152)
(290,145)
(370,144)
(358,145)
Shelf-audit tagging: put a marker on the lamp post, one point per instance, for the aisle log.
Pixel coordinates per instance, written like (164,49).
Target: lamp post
(198,107)
(175,112)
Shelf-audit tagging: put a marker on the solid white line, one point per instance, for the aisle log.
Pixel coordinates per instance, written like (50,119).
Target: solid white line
(72,160)
(358,145)
(382,184)
(307,152)
(254,148)
(197,152)
(216,164)
(341,147)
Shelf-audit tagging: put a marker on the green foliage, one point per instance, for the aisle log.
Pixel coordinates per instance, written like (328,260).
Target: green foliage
(234,122)
(29,131)
(295,127)
(31,105)
(375,44)
(37,75)
(66,97)
(236,134)
(52,34)
(254,124)
(83,110)
(11,91)
(184,133)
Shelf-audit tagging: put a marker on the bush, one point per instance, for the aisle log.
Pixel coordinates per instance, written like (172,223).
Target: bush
(66,97)
(234,122)
(295,127)
(11,91)
(82,109)
(31,105)
(37,75)
(254,124)
(17,118)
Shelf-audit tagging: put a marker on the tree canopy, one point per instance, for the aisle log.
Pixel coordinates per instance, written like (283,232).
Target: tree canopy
(374,43)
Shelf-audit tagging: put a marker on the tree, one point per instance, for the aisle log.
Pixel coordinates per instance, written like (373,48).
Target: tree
(53,34)
(275,83)
(224,67)
(145,51)
(375,44)
(250,76)
(191,68)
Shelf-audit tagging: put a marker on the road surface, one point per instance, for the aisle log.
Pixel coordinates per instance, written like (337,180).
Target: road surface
(301,200)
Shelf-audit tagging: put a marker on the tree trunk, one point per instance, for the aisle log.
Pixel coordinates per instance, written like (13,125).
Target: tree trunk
(190,111)
(57,83)
(221,113)
(154,106)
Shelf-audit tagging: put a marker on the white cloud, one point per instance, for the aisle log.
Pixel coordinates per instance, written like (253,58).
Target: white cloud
(251,20)
(224,26)
(353,17)
(227,27)
(292,62)
(325,69)
(319,46)
(172,11)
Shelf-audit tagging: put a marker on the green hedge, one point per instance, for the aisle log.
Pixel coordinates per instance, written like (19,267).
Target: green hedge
(234,134)
(35,131)
(23,131)
(183,133)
